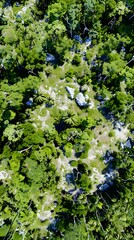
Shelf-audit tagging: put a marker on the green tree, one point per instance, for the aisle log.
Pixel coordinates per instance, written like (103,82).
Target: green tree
(70,118)
(10,35)
(68,149)
(76,231)
(76,60)
(120,102)
(13,132)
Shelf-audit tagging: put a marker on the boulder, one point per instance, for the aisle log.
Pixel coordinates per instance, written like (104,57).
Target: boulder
(50,57)
(8,3)
(123,49)
(53,225)
(18,16)
(29,103)
(122,145)
(91,104)
(43,215)
(3,175)
(77,38)
(103,187)
(80,100)
(70,91)
(70,178)
(17,4)
(86,97)
(84,58)
(118,125)
(93,63)
(87,41)
(111,175)
(84,88)
(108,157)
(35,91)
(128,144)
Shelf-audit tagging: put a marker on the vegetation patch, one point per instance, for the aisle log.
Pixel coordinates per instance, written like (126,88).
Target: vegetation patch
(66,119)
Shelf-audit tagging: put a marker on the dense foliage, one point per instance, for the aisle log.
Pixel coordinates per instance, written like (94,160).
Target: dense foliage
(66,71)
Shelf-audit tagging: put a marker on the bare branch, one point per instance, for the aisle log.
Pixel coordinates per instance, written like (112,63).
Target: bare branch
(25,149)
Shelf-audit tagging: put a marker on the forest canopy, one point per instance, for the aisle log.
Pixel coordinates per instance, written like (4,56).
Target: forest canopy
(66,119)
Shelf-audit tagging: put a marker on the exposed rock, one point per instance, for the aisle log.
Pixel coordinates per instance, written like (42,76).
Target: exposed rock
(77,38)
(70,91)
(50,57)
(78,192)
(128,143)
(84,58)
(72,191)
(108,158)
(2,222)
(3,175)
(84,52)
(29,103)
(80,100)
(21,232)
(7,3)
(111,175)
(35,91)
(87,41)
(118,125)
(18,16)
(99,98)
(70,178)
(103,187)
(91,104)
(86,97)
(17,4)
(93,63)
(83,88)
(22,12)
(44,215)
(52,226)
(121,134)
(122,145)
(123,49)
